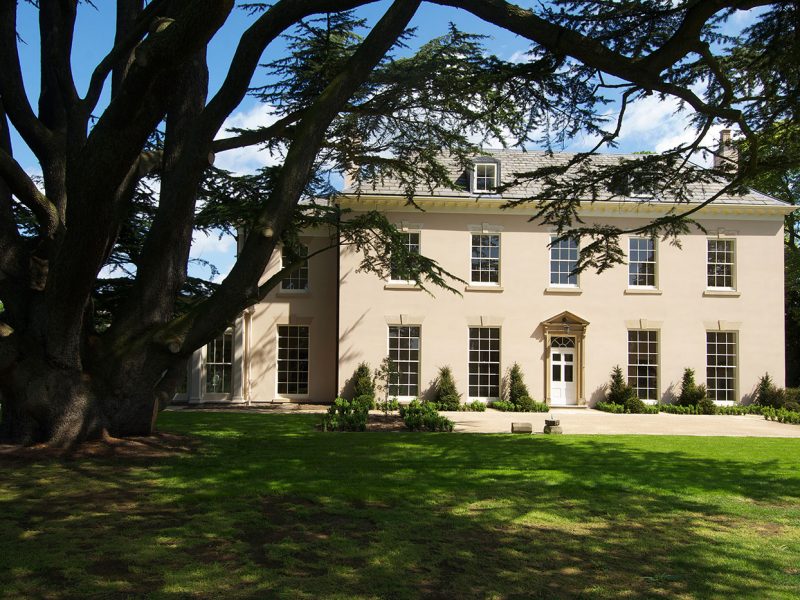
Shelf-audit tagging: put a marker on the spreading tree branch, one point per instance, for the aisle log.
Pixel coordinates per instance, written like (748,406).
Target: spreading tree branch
(12,86)
(123,46)
(242,282)
(26,192)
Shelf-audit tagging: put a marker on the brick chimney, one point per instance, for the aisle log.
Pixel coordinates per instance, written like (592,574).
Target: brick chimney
(727,156)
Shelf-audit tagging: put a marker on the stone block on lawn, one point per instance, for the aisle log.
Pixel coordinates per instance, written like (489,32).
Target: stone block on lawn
(553,429)
(521,428)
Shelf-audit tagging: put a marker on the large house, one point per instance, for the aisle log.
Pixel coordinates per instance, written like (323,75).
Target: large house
(715,305)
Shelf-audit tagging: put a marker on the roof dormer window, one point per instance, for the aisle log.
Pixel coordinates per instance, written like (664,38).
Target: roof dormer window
(485,177)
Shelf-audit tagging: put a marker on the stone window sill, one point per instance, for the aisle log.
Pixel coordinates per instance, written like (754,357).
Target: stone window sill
(402,286)
(721,294)
(292,293)
(483,288)
(642,292)
(567,291)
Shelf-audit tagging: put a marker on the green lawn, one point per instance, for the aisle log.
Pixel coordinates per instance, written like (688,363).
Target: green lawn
(267,507)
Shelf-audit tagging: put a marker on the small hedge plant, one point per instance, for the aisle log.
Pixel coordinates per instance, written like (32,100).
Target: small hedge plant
(347,415)
(526,404)
(782,415)
(420,415)
(446,396)
(474,406)
(644,409)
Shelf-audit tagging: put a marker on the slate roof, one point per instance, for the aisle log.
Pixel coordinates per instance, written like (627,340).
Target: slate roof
(519,161)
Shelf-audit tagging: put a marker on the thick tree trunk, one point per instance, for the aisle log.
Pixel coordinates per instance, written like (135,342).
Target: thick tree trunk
(47,404)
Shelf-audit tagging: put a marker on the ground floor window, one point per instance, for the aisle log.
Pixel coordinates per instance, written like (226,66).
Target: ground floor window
(293,359)
(219,361)
(643,363)
(404,347)
(484,362)
(721,365)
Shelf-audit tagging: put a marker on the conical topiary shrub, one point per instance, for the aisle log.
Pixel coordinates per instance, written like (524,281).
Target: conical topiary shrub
(517,390)
(445,391)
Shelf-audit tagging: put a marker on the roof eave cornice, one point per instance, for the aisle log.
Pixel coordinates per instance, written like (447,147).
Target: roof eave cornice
(486,204)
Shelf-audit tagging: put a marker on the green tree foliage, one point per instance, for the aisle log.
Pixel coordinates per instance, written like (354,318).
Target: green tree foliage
(785,185)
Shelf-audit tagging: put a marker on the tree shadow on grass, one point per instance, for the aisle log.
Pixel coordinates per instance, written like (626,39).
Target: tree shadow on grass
(267,507)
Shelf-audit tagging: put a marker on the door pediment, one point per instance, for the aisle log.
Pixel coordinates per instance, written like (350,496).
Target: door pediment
(563,322)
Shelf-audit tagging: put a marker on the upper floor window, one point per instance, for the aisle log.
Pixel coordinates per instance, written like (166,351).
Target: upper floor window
(411,243)
(563,260)
(721,262)
(297,280)
(485,177)
(485,267)
(642,263)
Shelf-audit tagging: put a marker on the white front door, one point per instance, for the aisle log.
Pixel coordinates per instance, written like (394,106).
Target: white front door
(562,371)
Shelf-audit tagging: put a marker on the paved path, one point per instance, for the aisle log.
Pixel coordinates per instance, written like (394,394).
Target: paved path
(594,421)
(584,421)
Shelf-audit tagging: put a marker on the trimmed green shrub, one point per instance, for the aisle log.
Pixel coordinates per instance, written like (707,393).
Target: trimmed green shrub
(528,404)
(363,384)
(633,404)
(767,394)
(516,385)
(365,400)
(691,393)
(792,406)
(388,406)
(610,407)
(420,415)
(346,415)
(678,409)
(619,392)
(706,406)
(738,409)
(446,396)
(503,406)
(782,415)
(475,406)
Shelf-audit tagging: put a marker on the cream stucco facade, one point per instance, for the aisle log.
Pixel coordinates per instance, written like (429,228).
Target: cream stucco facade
(345,317)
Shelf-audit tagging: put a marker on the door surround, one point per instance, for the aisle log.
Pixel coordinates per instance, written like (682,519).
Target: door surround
(566,324)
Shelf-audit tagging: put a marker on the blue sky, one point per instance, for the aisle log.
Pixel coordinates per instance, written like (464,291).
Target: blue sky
(649,125)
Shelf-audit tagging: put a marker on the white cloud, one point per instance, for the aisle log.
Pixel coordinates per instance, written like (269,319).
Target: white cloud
(651,124)
(520,56)
(205,246)
(252,158)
